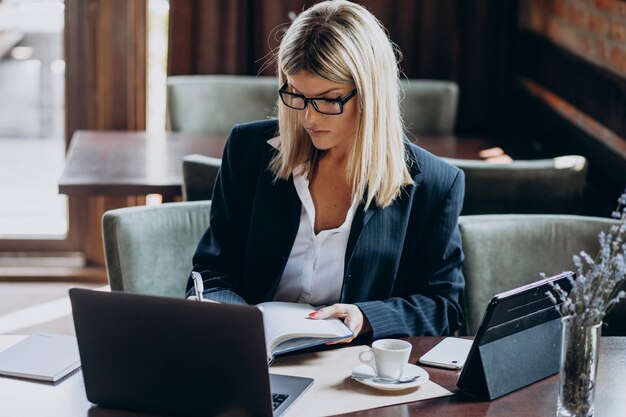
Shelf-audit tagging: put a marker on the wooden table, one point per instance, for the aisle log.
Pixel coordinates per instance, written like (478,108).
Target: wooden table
(119,163)
(20,398)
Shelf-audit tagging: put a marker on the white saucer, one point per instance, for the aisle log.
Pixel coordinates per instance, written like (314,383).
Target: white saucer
(410,370)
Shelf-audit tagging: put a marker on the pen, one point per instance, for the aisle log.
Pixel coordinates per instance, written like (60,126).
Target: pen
(198,284)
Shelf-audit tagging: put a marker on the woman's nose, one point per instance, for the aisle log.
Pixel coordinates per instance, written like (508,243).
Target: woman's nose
(310,114)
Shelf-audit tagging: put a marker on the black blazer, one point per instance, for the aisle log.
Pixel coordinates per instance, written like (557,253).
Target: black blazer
(403,262)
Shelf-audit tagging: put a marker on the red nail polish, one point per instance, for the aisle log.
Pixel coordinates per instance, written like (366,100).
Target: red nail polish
(312,314)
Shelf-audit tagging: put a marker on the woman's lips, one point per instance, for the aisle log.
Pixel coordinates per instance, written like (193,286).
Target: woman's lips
(316,132)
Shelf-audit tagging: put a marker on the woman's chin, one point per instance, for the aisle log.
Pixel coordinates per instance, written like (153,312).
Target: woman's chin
(321,144)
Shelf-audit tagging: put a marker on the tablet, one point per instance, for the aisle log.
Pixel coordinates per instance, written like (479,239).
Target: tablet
(518,341)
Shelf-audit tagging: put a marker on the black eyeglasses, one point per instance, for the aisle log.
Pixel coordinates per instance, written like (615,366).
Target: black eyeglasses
(322,105)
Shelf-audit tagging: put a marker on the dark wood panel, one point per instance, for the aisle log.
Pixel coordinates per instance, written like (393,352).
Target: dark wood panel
(559,136)
(592,89)
(105,53)
(486,65)
(182,25)
(77,78)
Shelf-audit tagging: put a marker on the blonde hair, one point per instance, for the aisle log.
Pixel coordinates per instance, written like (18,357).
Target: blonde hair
(344,43)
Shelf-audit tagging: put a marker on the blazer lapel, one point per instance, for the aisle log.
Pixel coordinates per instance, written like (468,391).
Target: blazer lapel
(273,229)
(360,230)
(362,216)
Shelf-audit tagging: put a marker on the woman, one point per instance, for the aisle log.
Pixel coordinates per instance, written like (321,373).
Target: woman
(331,205)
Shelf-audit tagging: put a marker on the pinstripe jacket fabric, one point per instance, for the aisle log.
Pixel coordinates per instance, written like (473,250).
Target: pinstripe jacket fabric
(402,264)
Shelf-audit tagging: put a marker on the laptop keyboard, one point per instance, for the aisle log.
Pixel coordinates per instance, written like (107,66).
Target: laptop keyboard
(278,399)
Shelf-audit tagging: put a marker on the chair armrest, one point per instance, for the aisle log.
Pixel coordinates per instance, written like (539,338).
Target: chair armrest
(149,249)
(199,174)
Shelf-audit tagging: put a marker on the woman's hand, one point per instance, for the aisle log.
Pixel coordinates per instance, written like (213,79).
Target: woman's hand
(351,316)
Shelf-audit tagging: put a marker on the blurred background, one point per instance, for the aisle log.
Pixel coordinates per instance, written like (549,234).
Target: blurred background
(537,78)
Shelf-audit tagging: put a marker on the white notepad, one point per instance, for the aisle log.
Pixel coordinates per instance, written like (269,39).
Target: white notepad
(44,357)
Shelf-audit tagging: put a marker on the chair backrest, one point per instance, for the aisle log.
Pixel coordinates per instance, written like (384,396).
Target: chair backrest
(429,107)
(199,174)
(506,251)
(547,186)
(212,104)
(149,250)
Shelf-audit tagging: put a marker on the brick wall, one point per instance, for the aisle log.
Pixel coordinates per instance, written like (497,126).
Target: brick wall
(595,31)
(592,29)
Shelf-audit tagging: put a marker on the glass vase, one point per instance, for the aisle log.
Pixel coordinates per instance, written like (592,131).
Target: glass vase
(579,364)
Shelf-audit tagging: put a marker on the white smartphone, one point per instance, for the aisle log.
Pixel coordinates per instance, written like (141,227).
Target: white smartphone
(450,353)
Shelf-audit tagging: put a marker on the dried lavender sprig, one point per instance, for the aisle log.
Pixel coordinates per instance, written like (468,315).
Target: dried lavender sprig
(595,290)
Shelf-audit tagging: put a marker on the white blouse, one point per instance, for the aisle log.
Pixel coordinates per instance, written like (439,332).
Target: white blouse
(314,270)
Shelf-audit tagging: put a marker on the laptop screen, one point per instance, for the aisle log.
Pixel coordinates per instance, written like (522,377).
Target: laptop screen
(173,356)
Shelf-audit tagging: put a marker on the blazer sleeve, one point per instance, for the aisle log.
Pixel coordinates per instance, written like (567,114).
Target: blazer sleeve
(430,301)
(221,245)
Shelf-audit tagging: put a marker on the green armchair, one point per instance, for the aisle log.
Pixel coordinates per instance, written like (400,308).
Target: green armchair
(212,104)
(149,249)
(199,174)
(429,107)
(506,251)
(546,186)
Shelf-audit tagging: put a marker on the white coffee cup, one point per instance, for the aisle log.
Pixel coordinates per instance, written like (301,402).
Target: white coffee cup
(387,357)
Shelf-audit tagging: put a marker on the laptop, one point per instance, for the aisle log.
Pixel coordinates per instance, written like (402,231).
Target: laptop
(177,357)
(518,341)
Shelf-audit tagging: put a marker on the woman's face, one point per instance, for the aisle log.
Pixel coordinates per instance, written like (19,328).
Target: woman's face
(334,133)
